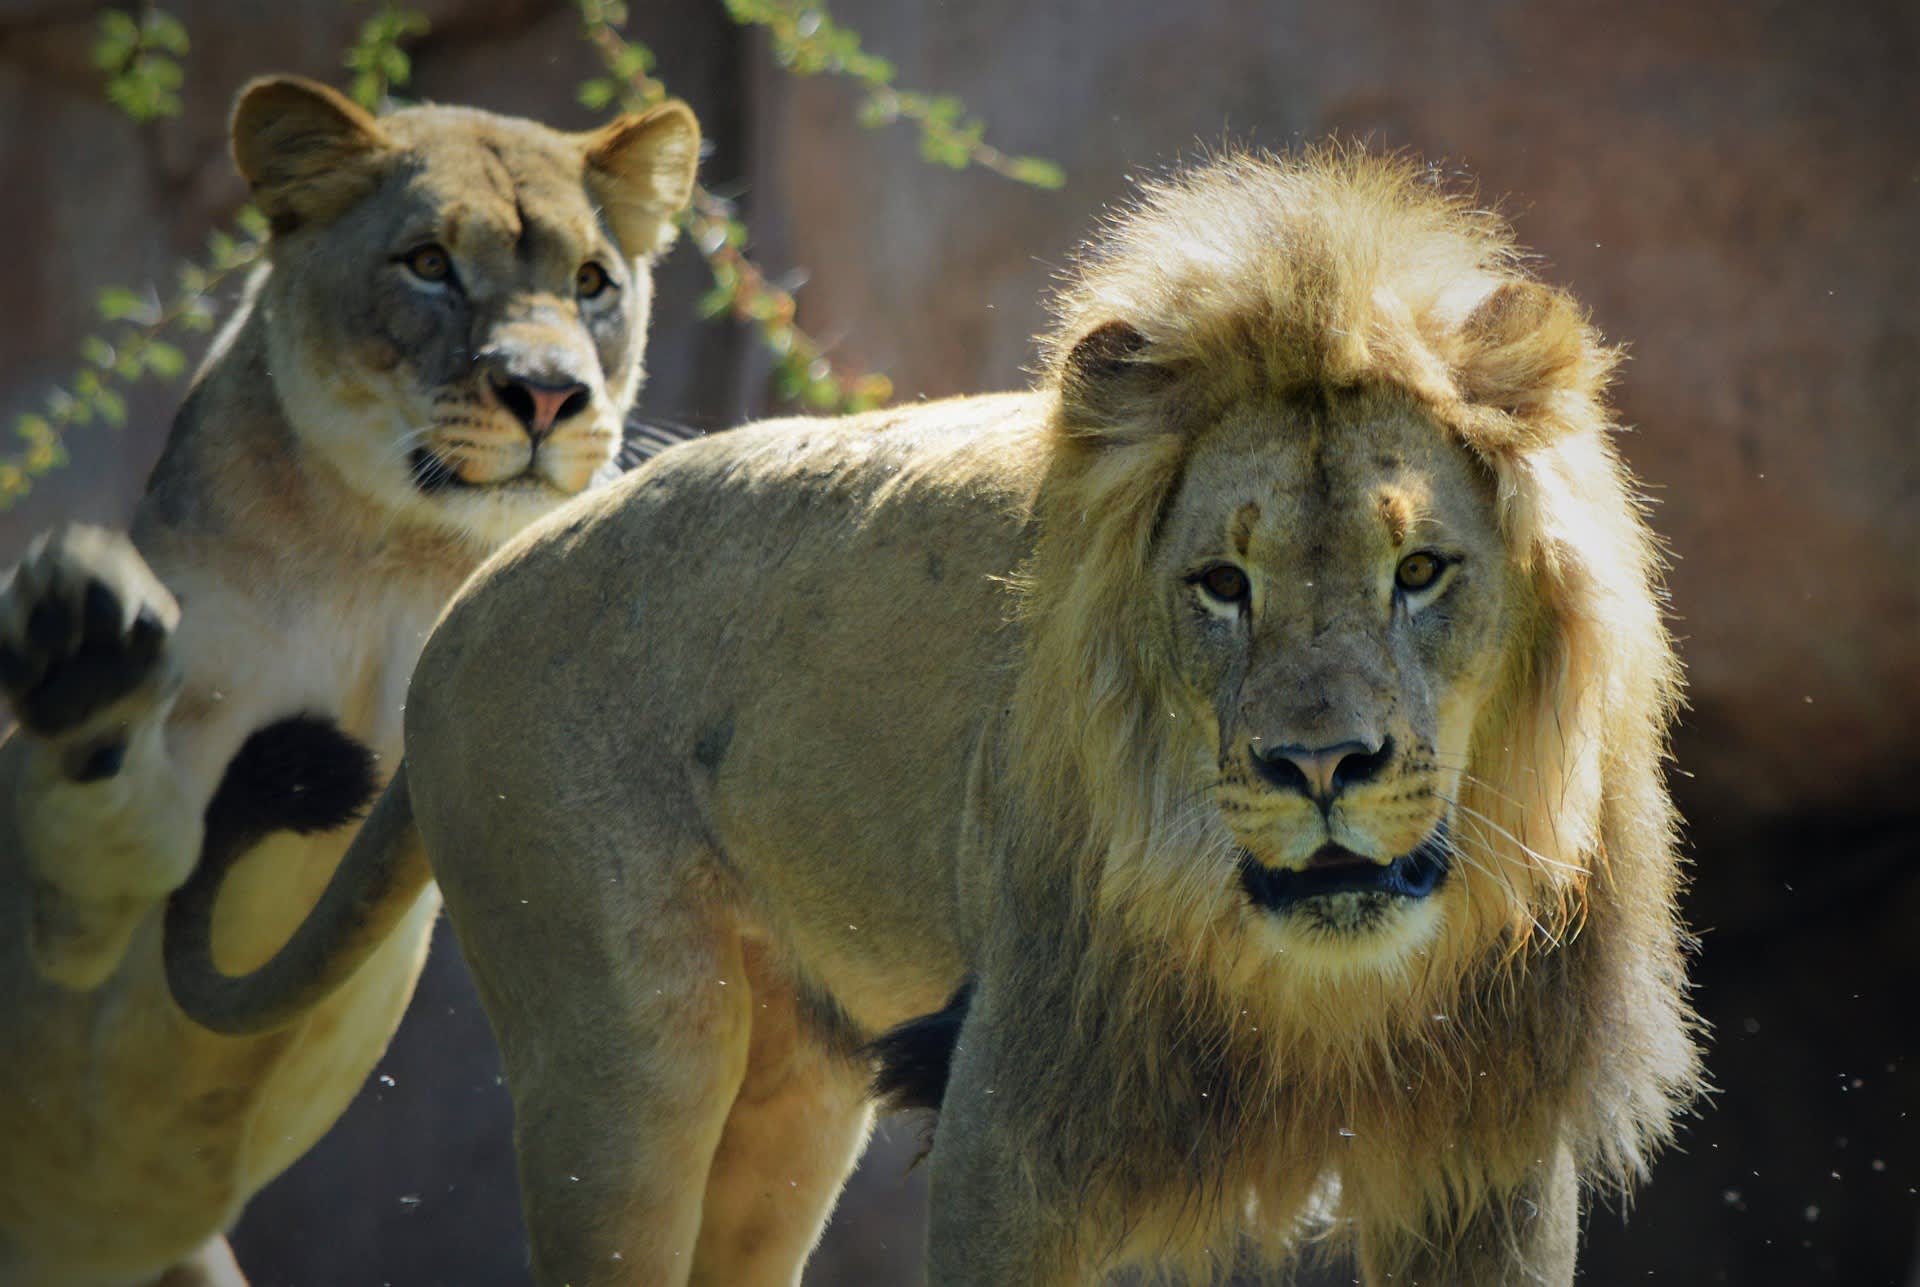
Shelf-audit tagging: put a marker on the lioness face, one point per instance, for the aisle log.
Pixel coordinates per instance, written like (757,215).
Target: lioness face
(1337,584)
(459,330)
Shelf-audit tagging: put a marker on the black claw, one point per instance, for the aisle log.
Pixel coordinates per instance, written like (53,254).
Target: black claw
(146,636)
(100,610)
(16,670)
(101,762)
(50,626)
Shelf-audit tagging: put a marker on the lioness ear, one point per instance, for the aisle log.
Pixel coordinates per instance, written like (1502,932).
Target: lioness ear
(307,151)
(640,169)
(1106,379)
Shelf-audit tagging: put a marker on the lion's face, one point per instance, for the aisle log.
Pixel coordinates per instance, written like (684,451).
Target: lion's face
(1335,584)
(458,330)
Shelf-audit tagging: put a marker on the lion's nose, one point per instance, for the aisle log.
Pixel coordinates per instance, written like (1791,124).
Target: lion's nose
(1321,773)
(539,405)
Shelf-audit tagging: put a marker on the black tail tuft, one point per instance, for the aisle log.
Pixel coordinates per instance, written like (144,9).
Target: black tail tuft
(302,774)
(916,1058)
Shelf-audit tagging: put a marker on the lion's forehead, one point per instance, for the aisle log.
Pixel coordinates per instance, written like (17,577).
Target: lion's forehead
(498,188)
(1279,481)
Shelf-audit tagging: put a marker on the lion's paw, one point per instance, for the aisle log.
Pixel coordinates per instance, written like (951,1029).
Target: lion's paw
(84,626)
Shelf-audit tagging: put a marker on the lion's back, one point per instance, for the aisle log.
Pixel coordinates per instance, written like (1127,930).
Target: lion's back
(796,630)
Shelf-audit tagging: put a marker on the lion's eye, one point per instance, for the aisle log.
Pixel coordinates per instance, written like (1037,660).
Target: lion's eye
(1225,582)
(430,263)
(591,280)
(1418,571)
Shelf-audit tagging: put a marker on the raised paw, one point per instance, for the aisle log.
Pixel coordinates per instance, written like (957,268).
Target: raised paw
(84,625)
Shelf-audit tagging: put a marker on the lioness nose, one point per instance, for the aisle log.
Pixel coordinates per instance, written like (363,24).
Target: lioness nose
(1321,773)
(540,405)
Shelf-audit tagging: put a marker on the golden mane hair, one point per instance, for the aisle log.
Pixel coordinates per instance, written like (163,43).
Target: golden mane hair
(1264,277)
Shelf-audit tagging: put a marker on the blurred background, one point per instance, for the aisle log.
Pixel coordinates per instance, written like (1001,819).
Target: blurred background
(1733,186)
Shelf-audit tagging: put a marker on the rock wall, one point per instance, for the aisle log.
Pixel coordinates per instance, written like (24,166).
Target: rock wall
(1733,188)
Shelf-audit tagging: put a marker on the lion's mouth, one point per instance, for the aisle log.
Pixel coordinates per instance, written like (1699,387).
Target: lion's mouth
(432,474)
(1334,870)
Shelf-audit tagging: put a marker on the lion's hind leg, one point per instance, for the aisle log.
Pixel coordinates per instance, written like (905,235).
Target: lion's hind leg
(796,1128)
(623,1027)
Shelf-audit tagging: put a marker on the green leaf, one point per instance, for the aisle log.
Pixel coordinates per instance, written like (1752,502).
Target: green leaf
(113,407)
(164,74)
(45,456)
(115,41)
(823,393)
(1037,172)
(164,360)
(164,31)
(596,95)
(117,303)
(116,24)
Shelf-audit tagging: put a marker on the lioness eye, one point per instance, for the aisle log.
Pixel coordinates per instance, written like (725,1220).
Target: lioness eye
(590,280)
(1417,571)
(1225,582)
(430,263)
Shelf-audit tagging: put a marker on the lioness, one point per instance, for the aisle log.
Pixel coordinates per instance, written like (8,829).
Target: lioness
(445,345)
(1264,715)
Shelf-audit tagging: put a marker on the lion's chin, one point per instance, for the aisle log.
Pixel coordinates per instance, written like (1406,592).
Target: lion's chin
(489,512)
(1345,912)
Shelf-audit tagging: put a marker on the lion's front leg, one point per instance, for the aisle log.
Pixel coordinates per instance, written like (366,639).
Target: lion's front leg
(989,1225)
(92,798)
(1525,1236)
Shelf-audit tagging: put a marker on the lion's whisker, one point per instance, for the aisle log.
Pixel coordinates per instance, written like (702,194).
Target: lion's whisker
(1525,848)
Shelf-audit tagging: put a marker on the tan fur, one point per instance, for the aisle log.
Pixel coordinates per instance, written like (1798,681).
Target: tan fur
(941,692)
(285,547)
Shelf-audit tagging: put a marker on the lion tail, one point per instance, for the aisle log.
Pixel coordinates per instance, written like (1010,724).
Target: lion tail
(913,1061)
(306,776)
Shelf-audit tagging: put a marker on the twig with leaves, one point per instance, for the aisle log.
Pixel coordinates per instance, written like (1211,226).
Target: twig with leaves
(802,372)
(140,58)
(128,349)
(378,60)
(807,42)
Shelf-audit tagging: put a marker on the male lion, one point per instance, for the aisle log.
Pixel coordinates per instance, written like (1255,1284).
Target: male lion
(1265,714)
(445,346)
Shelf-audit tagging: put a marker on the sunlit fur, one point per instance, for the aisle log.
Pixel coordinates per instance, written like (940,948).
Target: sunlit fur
(297,567)
(1341,272)
(914,702)
(378,369)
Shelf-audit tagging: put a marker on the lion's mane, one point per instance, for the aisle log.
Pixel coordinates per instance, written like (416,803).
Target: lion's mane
(1437,1083)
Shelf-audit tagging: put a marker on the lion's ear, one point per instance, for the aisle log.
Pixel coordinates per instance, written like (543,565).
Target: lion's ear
(640,169)
(1525,346)
(307,151)
(1107,378)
